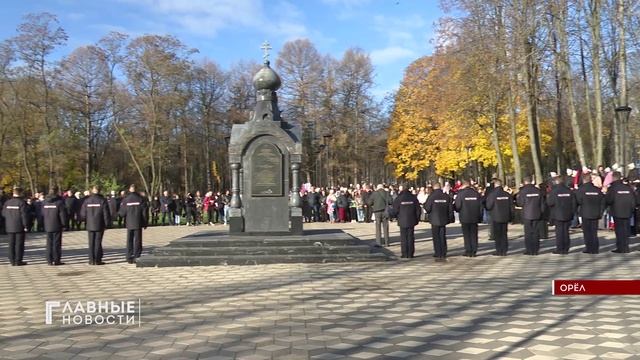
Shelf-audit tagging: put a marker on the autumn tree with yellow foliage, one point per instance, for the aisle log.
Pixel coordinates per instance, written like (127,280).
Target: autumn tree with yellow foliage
(449,114)
(508,76)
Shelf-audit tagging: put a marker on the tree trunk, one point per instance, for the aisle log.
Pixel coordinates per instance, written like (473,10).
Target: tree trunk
(531,102)
(136,164)
(152,146)
(513,122)
(596,43)
(3,132)
(356,158)
(511,78)
(207,154)
(185,162)
(558,145)
(622,68)
(47,126)
(119,131)
(496,143)
(88,134)
(25,162)
(566,76)
(587,102)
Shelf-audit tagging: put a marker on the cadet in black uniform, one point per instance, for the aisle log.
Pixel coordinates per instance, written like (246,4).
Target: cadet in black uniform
(16,220)
(469,204)
(133,210)
(531,200)
(113,207)
(487,191)
(500,205)
(591,204)
(439,208)
(69,204)
(118,203)
(562,203)
(96,213)
(621,200)
(55,219)
(543,226)
(366,193)
(407,209)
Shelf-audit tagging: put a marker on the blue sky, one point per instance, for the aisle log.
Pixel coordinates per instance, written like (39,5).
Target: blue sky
(394,32)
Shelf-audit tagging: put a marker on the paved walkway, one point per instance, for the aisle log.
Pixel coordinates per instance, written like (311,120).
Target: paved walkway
(482,308)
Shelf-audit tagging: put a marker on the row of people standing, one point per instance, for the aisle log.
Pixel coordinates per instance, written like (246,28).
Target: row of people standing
(170,209)
(344,204)
(561,204)
(164,209)
(95,212)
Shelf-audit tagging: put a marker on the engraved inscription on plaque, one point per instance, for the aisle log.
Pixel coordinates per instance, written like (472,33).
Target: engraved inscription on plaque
(266,166)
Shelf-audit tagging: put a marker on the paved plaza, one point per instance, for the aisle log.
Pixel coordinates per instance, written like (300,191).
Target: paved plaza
(467,308)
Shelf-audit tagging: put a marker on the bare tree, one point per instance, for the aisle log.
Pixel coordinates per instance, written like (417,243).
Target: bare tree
(209,86)
(83,78)
(37,37)
(300,66)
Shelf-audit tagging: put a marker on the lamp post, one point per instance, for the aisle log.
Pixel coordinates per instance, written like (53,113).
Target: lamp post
(318,153)
(623,112)
(469,148)
(325,139)
(225,183)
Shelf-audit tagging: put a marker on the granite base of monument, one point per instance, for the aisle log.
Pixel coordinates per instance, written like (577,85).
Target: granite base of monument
(216,248)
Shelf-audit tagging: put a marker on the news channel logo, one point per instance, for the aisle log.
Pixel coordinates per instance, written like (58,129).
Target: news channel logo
(93,312)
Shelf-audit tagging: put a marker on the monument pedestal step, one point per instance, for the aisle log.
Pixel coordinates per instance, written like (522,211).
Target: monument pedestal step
(216,248)
(261,250)
(260,241)
(168,261)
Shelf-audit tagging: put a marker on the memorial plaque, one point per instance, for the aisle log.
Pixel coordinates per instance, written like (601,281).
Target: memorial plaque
(266,177)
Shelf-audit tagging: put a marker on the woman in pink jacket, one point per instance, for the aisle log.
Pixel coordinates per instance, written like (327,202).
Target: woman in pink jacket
(209,206)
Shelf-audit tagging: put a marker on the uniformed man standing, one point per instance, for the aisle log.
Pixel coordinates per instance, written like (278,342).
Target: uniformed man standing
(118,203)
(591,204)
(16,219)
(490,187)
(133,210)
(69,202)
(621,200)
(499,203)
(562,204)
(378,202)
(366,193)
(96,213)
(55,219)
(113,206)
(468,204)
(531,200)
(407,209)
(439,208)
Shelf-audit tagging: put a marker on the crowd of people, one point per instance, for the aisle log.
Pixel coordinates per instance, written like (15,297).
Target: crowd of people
(583,198)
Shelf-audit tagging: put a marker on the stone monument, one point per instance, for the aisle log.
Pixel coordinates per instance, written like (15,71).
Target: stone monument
(265,215)
(264,156)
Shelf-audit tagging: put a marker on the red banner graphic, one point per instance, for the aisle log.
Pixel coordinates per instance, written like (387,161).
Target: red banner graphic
(595,287)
